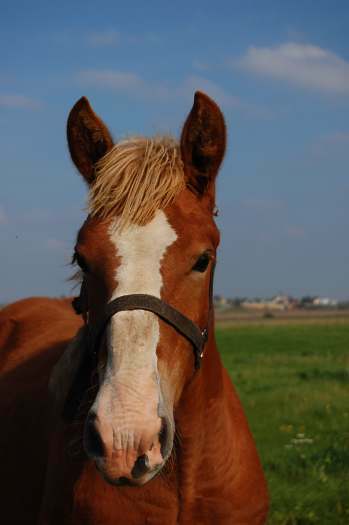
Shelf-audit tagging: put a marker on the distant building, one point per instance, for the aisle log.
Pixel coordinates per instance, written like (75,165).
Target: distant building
(262,305)
(279,302)
(325,301)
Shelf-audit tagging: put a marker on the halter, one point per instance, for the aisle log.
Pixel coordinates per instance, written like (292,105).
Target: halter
(94,331)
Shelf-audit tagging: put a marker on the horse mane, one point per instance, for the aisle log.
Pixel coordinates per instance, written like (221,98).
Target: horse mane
(135,178)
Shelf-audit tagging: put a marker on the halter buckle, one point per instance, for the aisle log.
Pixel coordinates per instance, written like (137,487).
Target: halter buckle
(204,334)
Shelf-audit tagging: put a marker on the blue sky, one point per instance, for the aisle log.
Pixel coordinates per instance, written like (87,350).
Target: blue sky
(279,70)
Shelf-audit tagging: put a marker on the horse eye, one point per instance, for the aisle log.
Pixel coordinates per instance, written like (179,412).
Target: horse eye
(202,263)
(80,261)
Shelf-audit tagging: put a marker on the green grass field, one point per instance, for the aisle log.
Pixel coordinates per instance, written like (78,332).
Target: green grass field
(294,384)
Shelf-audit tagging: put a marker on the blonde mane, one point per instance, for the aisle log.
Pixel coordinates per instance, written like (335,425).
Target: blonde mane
(135,178)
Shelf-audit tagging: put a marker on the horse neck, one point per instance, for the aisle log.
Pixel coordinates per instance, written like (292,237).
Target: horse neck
(204,389)
(202,426)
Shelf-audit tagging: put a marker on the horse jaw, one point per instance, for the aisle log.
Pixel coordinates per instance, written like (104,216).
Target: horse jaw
(64,371)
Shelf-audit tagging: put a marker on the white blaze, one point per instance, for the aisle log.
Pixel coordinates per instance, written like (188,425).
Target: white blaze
(133,335)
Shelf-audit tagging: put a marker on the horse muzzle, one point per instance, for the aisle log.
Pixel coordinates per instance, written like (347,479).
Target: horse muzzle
(125,455)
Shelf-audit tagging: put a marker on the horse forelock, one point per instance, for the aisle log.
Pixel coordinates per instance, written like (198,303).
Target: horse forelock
(137,177)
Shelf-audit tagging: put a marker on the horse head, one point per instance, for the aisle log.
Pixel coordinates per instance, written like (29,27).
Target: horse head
(150,230)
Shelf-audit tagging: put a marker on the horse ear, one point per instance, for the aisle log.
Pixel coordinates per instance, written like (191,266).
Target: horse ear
(88,138)
(203,143)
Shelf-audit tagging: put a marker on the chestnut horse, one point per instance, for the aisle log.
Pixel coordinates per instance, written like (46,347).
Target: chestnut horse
(126,415)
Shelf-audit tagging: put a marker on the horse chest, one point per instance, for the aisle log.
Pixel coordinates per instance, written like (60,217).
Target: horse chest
(97,503)
(129,508)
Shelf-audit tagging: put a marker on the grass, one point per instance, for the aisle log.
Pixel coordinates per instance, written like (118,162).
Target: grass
(294,383)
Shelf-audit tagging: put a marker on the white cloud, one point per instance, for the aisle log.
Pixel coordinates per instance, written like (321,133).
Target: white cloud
(133,84)
(304,65)
(125,82)
(19,102)
(103,38)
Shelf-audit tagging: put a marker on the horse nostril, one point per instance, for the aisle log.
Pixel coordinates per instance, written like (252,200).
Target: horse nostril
(163,437)
(141,467)
(93,442)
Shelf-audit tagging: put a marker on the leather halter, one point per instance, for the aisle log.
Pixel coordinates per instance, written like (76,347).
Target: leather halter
(94,331)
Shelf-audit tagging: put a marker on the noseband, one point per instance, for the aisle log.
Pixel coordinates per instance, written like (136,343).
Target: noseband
(94,331)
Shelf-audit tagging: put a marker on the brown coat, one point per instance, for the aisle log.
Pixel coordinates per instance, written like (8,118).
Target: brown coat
(214,477)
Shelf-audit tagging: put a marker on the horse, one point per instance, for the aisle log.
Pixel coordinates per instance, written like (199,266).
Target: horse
(125,413)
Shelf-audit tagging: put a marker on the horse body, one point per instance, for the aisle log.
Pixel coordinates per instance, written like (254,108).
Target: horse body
(216,477)
(178,434)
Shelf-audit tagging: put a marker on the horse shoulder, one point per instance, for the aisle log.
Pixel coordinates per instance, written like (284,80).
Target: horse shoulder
(29,327)
(33,334)
(249,493)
